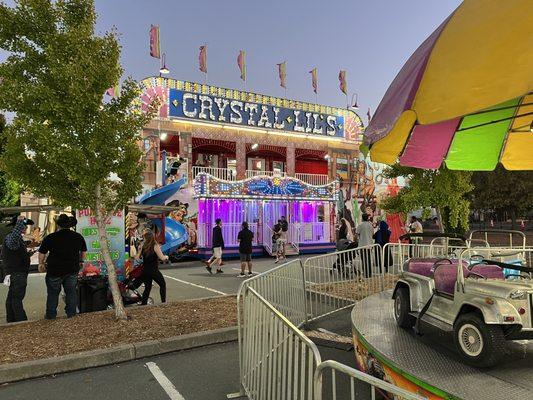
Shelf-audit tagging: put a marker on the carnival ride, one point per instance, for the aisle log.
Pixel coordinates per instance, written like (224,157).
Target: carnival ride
(471,307)
(175,233)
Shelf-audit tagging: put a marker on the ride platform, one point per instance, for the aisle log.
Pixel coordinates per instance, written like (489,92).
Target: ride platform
(429,364)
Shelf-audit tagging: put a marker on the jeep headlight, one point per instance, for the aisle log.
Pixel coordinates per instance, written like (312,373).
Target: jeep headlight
(517,295)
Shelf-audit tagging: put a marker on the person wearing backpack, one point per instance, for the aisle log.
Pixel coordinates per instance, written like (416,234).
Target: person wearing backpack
(16,260)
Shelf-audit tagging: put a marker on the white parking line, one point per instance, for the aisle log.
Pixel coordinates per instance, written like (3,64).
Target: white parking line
(194,284)
(165,383)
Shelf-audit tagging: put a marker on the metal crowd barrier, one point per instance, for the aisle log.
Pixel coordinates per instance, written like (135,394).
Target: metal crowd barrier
(337,280)
(278,360)
(284,288)
(354,376)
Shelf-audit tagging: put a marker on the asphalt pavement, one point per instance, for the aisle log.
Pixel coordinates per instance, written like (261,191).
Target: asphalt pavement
(206,373)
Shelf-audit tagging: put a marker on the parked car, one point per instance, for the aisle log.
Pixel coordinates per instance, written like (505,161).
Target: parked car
(472,297)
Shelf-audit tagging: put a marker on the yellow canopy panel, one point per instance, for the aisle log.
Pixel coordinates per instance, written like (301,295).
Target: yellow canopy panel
(484,56)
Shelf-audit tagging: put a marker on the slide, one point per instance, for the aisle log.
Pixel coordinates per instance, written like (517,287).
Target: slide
(175,233)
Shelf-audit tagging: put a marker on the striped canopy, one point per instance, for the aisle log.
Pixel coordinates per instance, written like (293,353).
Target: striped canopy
(465,97)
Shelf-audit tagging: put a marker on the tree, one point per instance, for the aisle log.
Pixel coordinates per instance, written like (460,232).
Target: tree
(65,142)
(501,190)
(442,189)
(9,189)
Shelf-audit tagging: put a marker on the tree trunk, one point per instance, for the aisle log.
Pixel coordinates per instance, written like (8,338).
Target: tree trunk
(439,217)
(513,219)
(101,217)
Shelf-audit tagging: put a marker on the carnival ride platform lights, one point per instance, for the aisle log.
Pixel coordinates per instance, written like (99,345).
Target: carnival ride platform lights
(163,136)
(255,146)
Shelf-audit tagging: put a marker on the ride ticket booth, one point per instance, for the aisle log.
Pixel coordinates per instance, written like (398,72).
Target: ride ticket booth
(262,201)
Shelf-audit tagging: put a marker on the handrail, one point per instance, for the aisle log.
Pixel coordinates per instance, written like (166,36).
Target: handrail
(360,376)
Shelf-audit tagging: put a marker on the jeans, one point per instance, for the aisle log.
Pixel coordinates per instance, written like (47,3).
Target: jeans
(15,295)
(53,288)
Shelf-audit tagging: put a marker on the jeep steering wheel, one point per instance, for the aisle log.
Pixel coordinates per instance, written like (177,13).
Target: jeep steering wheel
(476,274)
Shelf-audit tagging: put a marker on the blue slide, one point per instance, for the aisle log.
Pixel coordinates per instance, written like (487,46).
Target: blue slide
(175,233)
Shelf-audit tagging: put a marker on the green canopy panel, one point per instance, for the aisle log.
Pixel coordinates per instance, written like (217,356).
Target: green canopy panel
(479,148)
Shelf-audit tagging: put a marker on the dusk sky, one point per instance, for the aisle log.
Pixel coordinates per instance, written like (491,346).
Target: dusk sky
(370,39)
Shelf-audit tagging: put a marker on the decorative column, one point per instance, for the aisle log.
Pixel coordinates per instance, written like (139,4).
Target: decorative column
(185,147)
(240,154)
(290,160)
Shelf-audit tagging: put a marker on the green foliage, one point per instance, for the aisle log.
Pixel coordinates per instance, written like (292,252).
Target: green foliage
(503,190)
(9,189)
(442,189)
(64,140)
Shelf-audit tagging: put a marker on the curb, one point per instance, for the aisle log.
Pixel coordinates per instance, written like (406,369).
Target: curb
(127,352)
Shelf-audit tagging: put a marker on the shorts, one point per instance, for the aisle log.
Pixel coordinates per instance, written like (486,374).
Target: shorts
(245,257)
(281,241)
(217,252)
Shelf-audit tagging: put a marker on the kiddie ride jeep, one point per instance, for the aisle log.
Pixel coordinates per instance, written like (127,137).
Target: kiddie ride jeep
(484,302)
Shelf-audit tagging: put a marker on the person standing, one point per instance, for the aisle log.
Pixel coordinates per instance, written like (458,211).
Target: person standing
(151,254)
(218,246)
(245,238)
(16,265)
(63,251)
(281,240)
(365,233)
(382,237)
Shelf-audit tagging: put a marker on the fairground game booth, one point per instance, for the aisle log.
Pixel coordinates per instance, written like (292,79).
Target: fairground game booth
(242,156)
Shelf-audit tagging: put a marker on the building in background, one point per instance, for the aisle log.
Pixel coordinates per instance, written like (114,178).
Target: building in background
(245,156)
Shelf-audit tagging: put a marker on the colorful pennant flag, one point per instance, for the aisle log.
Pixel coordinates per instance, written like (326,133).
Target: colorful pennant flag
(241,62)
(155,47)
(342,81)
(314,79)
(369,115)
(282,71)
(202,59)
(113,91)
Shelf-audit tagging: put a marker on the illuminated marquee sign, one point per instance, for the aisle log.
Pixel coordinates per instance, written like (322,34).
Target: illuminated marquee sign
(210,108)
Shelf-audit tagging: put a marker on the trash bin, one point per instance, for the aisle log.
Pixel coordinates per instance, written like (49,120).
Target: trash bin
(92,293)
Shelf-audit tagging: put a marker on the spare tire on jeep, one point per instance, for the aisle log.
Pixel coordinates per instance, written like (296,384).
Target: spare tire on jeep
(479,344)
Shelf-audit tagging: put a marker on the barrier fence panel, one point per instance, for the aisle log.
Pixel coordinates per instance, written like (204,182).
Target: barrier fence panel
(283,287)
(277,361)
(336,280)
(353,377)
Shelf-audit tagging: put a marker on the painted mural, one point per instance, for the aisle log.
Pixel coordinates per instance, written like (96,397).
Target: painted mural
(362,190)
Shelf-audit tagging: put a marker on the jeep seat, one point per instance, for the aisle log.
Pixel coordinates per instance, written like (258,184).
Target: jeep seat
(420,266)
(445,276)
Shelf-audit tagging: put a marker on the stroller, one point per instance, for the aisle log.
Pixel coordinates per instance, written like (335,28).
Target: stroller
(346,263)
(128,288)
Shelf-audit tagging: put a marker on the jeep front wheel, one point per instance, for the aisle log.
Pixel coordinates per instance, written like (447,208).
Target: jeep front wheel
(402,308)
(479,344)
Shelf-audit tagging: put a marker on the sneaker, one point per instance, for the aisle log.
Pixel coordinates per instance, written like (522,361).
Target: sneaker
(250,273)
(241,275)
(209,269)
(275,262)
(219,271)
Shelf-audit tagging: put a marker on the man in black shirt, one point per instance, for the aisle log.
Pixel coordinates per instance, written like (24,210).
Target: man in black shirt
(218,246)
(245,238)
(16,259)
(66,250)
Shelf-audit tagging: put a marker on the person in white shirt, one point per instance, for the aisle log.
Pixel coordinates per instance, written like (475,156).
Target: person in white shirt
(365,233)
(415,226)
